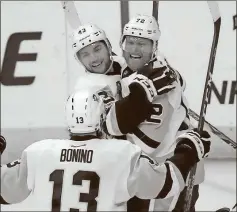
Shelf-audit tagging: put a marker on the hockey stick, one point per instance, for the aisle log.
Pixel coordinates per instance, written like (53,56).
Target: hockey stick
(71,14)
(124,13)
(217,132)
(155,9)
(214,9)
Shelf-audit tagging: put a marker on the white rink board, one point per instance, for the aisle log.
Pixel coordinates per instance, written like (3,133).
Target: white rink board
(35,111)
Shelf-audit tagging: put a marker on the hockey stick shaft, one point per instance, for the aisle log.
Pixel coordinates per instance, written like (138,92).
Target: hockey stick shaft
(207,88)
(213,6)
(124,13)
(217,132)
(155,9)
(71,14)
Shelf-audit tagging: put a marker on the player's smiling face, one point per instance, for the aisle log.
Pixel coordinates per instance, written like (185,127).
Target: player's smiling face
(137,51)
(95,57)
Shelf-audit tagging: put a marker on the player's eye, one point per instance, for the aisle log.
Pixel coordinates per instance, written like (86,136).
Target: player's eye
(98,48)
(130,43)
(84,55)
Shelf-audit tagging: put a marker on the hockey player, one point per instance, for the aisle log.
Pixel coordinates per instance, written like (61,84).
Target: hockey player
(92,49)
(89,173)
(154,134)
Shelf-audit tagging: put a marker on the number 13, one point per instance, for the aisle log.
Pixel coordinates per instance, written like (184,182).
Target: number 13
(57,177)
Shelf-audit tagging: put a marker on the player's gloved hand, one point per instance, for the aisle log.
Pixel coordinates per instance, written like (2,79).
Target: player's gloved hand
(107,97)
(155,82)
(146,84)
(199,142)
(3,144)
(162,77)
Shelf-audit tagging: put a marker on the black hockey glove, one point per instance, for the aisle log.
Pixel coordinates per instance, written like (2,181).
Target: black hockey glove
(2,144)
(199,143)
(107,97)
(156,81)
(162,77)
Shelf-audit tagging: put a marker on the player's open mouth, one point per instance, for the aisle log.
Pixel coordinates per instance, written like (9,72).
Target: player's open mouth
(133,56)
(96,64)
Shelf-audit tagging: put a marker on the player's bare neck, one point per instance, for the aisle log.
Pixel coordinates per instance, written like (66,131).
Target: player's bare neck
(83,137)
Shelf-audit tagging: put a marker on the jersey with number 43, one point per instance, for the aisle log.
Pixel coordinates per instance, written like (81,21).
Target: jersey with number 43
(156,135)
(91,175)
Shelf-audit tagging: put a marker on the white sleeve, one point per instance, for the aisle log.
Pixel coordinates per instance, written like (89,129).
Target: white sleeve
(152,132)
(112,123)
(14,187)
(148,179)
(145,178)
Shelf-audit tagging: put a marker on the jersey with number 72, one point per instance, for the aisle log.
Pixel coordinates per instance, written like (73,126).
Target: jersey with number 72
(155,135)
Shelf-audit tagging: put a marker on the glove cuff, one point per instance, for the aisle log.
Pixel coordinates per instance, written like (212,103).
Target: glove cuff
(195,140)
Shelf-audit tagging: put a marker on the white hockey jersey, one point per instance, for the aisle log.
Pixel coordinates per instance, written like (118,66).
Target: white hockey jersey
(99,81)
(156,135)
(91,175)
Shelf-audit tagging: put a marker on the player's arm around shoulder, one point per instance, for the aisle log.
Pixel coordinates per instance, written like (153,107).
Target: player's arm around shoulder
(148,179)
(145,178)
(127,113)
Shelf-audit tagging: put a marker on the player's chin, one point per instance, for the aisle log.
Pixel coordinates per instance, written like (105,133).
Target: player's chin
(135,64)
(100,69)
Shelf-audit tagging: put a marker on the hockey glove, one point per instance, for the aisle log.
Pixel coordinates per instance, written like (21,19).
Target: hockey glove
(163,78)
(107,98)
(2,144)
(146,84)
(199,143)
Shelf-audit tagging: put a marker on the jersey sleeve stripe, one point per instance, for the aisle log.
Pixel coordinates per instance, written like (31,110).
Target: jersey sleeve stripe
(167,185)
(145,139)
(148,158)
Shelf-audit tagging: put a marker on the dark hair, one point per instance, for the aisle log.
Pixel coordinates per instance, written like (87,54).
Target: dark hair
(84,137)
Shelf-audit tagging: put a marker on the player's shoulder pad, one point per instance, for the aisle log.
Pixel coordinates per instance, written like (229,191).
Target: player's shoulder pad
(41,145)
(181,80)
(161,61)
(125,71)
(122,146)
(119,64)
(120,60)
(97,82)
